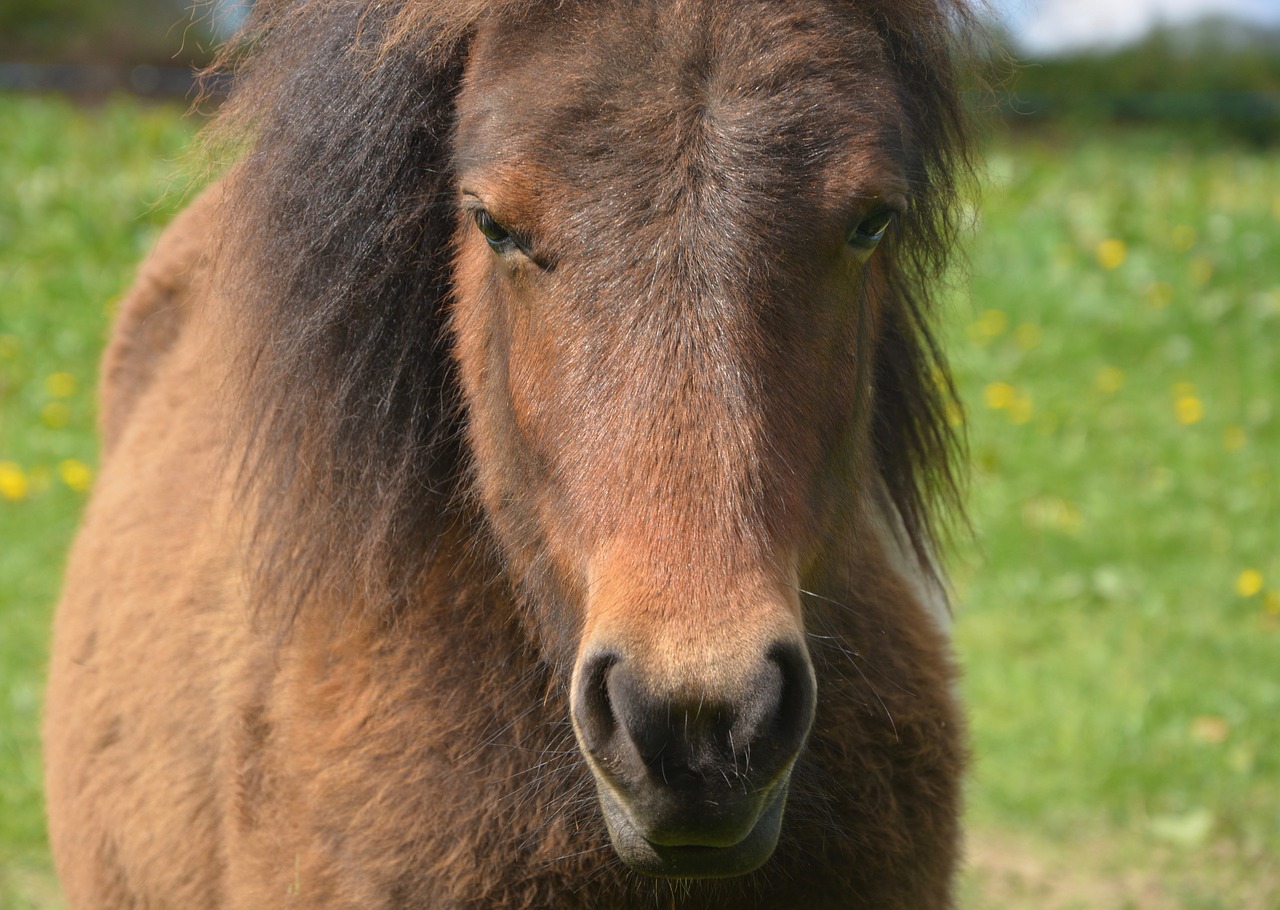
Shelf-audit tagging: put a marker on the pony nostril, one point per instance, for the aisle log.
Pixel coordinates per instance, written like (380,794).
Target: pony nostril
(592,706)
(685,764)
(646,722)
(797,698)
(750,732)
(777,710)
(760,704)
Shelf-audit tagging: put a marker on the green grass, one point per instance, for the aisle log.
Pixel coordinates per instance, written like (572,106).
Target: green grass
(1118,359)
(85,193)
(1116,349)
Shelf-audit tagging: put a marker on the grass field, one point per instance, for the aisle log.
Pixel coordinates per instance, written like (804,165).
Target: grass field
(1120,627)
(83,199)
(1116,347)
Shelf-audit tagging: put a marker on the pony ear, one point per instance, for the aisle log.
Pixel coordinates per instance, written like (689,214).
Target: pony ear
(337,241)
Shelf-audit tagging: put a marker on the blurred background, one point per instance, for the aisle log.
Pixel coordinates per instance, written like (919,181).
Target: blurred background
(1114,332)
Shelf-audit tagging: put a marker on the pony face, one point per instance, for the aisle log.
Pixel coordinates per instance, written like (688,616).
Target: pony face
(675,235)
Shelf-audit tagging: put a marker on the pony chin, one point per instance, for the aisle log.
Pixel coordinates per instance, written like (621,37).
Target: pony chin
(675,860)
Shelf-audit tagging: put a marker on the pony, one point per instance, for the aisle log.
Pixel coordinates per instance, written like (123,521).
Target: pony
(522,474)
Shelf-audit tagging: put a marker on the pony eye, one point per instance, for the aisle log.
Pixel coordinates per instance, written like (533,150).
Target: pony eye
(871,230)
(499,238)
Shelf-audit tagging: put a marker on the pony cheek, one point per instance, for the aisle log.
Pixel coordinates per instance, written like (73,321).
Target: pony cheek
(510,389)
(478,330)
(482,351)
(503,364)
(539,433)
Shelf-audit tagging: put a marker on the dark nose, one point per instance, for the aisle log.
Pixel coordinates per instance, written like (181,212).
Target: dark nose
(688,765)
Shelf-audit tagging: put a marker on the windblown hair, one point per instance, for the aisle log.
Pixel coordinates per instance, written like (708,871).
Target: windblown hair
(341,216)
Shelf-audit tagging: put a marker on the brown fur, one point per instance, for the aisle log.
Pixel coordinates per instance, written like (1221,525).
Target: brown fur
(371,494)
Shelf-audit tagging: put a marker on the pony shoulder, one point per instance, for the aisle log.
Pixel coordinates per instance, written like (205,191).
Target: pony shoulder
(154,311)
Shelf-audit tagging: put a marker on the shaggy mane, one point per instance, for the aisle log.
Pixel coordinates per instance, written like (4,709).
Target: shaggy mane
(337,251)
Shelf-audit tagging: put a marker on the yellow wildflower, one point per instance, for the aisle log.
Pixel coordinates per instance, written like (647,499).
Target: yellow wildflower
(1233,438)
(13,481)
(1027,336)
(1200,270)
(999,395)
(60,385)
(1249,583)
(1188,409)
(75,474)
(1187,406)
(1271,601)
(55,414)
(1109,380)
(1160,294)
(994,322)
(1111,253)
(1021,409)
(991,324)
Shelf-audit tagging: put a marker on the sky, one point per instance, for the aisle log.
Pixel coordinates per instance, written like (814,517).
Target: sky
(1042,26)
(1050,26)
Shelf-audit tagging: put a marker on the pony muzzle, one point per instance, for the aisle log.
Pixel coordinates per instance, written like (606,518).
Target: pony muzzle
(692,779)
